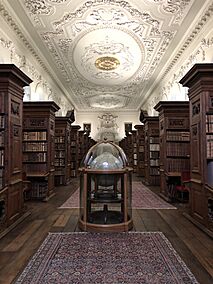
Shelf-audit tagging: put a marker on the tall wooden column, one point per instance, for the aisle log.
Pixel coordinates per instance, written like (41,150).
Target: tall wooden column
(12,81)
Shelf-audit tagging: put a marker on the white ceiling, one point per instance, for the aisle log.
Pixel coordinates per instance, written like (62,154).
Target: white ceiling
(106,54)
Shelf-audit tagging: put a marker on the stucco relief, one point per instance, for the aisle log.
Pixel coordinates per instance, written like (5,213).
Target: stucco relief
(97,16)
(38,7)
(175,7)
(107,126)
(172,90)
(21,61)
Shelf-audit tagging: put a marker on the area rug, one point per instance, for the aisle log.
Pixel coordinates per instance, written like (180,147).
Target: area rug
(142,198)
(102,258)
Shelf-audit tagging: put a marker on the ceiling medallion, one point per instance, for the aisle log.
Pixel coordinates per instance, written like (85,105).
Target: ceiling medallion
(107,63)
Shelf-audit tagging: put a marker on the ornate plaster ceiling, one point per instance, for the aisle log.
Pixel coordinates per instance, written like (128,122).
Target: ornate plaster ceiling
(105,53)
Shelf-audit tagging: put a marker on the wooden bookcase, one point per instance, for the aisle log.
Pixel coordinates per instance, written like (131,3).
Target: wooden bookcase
(12,81)
(83,139)
(129,149)
(152,150)
(62,150)
(199,80)
(135,152)
(174,144)
(39,147)
(74,150)
(140,141)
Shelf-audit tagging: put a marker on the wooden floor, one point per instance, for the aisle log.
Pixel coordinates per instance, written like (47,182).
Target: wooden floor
(17,247)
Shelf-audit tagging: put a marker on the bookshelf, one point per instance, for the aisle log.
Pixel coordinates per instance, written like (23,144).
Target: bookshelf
(62,150)
(129,149)
(39,147)
(140,141)
(134,150)
(199,80)
(74,150)
(174,145)
(83,139)
(152,150)
(2,147)
(12,81)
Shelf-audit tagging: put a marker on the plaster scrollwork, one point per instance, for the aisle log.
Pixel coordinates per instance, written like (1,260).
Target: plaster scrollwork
(106,76)
(8,18)
(207,43)
(107,17)
(56,56)
(175,7)
(197,56)
(38,7)
(107,124)
(58,1)
(64,44)
(98,16)
(167,37)
(107,101)
(204,19)
(6,43)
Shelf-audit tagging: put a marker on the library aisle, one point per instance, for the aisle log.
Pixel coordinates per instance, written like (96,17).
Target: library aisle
(20,244)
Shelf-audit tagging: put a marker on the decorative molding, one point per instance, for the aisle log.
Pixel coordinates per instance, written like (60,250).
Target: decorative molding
(107,126)
(38,7)
(204,19)
(116,14)
(18,32)
(175,7)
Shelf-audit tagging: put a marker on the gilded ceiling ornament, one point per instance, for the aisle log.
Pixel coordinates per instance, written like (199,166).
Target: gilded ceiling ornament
(107,63)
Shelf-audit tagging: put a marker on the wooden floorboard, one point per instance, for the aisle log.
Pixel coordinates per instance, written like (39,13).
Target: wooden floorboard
(19,245)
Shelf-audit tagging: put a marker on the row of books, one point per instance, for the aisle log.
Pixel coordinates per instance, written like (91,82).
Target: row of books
(141,148)
(154,171)
(154,140)
(209,146)
(2,120)
(177,165)
(177,136)
(35,146)
(154,163)
(38,189)
(1,158)
(209,123)
(35,157)
(154,154)
(35,135)
(177,149)
(35,169)
(154,147)
(59,154)
(59,163)
(73,144)
(59,146)
(60,139)
(1,177)
(1,138)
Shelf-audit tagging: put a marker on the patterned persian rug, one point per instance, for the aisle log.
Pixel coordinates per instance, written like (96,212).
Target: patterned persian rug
(106,258)
(142,198)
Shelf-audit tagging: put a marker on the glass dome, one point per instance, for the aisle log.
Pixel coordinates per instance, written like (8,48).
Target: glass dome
(105,155)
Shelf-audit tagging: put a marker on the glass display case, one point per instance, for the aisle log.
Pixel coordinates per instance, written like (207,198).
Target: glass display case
(105,189)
